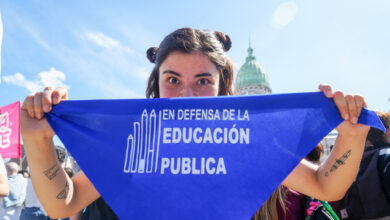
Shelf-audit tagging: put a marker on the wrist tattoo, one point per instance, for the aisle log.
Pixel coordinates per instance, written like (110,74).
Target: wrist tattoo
(64,193)
(51,172)
(339,162)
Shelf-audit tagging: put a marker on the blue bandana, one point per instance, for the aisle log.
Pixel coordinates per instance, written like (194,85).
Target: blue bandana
(194,158)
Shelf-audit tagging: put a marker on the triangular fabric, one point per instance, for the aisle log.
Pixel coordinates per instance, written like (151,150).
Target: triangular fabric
(194,158)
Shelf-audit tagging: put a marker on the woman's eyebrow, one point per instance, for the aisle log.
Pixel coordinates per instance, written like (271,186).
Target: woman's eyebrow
(203,74)
(171,72)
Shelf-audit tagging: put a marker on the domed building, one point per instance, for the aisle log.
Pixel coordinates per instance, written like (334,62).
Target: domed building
(251,78)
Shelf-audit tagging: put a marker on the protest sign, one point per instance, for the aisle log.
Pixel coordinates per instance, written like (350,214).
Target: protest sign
(10,131)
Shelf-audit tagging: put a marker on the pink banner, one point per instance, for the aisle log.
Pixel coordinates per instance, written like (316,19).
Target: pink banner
(10,131)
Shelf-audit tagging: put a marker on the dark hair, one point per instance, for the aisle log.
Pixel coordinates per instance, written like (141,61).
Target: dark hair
(188,40)
(315,155)
(69,171)
(61,154)
(376,136)
(24,173)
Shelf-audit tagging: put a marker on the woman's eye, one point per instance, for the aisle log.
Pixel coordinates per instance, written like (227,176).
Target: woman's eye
(173,80)
(203,82)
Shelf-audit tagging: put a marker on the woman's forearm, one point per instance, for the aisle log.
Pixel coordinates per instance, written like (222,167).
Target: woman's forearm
(338,172)
(51,184)
(331,180)
(60,195)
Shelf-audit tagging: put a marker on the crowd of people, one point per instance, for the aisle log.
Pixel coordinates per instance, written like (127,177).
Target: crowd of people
(192,62)
(20,201)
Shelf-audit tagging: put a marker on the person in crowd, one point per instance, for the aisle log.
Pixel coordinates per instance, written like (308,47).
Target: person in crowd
(315,209)
(33,209)
(369,195)
(188,62)
(11,206)
(24,173)
(69,171)
(61,156)
(4,187)
(316,154)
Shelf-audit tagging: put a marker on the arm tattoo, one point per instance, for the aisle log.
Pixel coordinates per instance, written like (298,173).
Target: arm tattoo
(51,172)
(64,192)
(339,162)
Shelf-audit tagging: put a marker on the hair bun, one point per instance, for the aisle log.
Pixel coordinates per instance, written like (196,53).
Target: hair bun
(224,39)
(151,54)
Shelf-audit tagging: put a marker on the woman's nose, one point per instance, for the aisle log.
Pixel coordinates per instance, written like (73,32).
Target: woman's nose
(187,92)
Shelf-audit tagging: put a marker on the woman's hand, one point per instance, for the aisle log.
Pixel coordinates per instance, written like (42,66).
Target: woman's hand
(33,124)
(350,107)
(331,180)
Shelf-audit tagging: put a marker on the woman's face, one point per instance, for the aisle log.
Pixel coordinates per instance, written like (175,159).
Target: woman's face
(186,75)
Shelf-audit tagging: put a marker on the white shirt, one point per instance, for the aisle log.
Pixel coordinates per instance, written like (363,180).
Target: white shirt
(31,198)
(12,213)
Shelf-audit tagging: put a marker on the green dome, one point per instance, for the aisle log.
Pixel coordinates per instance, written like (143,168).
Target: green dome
(252,75)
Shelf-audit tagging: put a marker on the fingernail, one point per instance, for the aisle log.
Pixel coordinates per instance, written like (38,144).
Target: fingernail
(329,93)
(354,120)
(54,100)
(346,117)
(31,114)
(38,115)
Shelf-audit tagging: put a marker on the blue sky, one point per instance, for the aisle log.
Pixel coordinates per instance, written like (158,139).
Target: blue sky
(97,49)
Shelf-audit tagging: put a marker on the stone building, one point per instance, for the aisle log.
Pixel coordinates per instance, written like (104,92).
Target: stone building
(251,78)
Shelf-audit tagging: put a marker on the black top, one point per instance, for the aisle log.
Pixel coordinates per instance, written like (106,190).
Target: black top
(98,210)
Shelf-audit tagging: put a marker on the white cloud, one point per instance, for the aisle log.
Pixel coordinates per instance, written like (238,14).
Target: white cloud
(52,78)
(284,14)
(18,79)
(104,41)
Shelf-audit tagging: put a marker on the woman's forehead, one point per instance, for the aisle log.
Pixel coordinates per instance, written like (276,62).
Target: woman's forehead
(186,63)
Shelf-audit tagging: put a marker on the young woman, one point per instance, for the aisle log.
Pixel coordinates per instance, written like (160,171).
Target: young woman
(188,62)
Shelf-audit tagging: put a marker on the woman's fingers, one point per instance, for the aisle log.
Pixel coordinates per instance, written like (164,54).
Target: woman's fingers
(341,103)
(360,102)
(59,94)
(352,108)
(46,99)
(28,105)
(36,105)
(326,89)
(38,110)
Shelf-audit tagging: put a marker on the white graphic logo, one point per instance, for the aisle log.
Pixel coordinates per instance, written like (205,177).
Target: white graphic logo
(190,127)
(143,144)
(5,131)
